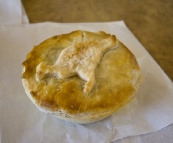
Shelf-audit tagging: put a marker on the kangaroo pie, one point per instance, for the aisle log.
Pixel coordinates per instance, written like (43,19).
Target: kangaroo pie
(81,77)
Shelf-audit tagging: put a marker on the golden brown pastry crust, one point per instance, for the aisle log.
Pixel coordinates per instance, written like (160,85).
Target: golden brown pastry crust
(117,78)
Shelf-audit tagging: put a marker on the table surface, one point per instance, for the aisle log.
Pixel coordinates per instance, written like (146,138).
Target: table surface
(151,21)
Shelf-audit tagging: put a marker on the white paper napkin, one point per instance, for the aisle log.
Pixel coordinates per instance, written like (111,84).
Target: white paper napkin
(22,122)
(12,12)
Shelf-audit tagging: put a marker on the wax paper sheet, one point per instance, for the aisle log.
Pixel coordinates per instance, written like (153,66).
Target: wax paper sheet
(22,122)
